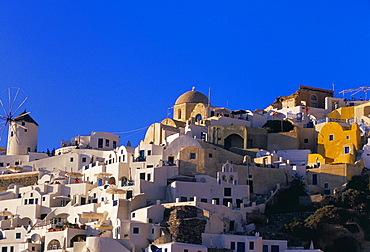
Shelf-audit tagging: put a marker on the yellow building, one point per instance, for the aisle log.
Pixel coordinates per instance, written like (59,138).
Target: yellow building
(337,144)
(327,177)
(360,112)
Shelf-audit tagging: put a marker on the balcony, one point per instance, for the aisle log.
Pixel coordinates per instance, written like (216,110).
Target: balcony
(169,162)
(140,159)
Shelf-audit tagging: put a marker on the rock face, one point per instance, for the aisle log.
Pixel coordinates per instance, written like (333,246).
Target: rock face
(25,179)
(185,226)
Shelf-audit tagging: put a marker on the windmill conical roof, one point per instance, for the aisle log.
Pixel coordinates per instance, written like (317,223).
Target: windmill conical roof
(25,117)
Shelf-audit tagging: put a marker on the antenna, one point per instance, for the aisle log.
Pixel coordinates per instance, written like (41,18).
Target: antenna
(209,97)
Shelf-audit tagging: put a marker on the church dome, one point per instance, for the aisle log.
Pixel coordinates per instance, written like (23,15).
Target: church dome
(192,97)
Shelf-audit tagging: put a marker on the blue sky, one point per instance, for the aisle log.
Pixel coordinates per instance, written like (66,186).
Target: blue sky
(117,66)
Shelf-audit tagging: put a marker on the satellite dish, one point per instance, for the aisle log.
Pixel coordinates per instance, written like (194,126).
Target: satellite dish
(36,238)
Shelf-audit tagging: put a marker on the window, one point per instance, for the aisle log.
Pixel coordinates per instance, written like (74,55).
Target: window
(71,159)
(83,160)
(305,140)
(331,137)
(314,179)
(193,156)
(43,198)
(128,194)
(348,137)
(100,142)
(251,245)
(135,230)
(232,245)
(203,200)
(326,185)
(232,225)
(346,150)
(25,130)
(210,155)
(26,201)
(152,230)
(11,133)
(106,142)
(12,249)
(16,163)
(31,201)
(4,249)
(33,248)
(123,158)
(1,164)
(114,144)
(313,101)
(179,114)
(185,250)
(148,176)
(149,152)
(17,235)
(183,199)
(31,194)
(265,248)
(274,248)
(36,201)
(142,153)
(142,175)
(133,215)
(23,123)
(227,191)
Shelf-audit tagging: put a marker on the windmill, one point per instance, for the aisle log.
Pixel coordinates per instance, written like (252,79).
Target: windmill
(22,129)
(11,100)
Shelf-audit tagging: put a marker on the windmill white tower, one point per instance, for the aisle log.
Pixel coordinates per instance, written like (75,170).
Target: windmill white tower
(23,130)
(22,135)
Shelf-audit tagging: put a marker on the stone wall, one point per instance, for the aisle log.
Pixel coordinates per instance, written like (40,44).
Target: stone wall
(26,179)
(185,226)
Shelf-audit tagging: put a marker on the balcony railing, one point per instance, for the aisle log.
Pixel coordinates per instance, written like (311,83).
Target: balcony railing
(140,159)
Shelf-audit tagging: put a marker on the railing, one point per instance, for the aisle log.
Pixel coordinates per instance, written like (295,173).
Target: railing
(129,183)
(364,126)
(169,163)
(140,159)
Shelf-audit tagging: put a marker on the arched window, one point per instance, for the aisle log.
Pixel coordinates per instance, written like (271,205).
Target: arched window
(313,101)
(112,181)
(54,244)
(198,117)
(231,179)
(179,114)
(223,178)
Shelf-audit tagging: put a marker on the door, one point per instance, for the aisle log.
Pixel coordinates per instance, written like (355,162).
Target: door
(240,247)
